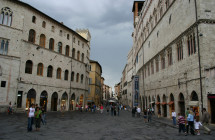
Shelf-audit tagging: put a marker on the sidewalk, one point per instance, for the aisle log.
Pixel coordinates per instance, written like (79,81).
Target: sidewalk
(169,122)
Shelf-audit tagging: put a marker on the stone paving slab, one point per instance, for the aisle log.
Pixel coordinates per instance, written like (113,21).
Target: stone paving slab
(90,126)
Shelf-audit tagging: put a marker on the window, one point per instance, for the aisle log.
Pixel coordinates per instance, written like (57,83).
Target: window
(34,19)
(82,57)
(49,71)
(167,4)
(169,57)
(73,39)
(53,29)
(68,36)
(3,83)
(4,47)
(59,73)
(61,33)
(28,67)
(191,44)
(152,67)
(42,40)
(31,37)
(51,44)
(60,47)
(180,50)
(157,65)
(78,42)
(73,53)
(78,55)
(148,70)
(82,45)
(72,76)
(6,16)
(66,75)
(44,24)
(82,78)
(163,61)
(77,77)
(145,71)
(40,69)
(67,50)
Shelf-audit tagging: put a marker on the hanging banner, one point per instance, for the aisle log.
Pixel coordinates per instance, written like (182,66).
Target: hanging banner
(136,90)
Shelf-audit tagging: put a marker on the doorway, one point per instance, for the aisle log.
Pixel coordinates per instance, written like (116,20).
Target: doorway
(43,99)
(19,99)
(54,101)
(31,98)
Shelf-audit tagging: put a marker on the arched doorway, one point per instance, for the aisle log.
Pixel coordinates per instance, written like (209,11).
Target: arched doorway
(43,99)
(164,106)
(72,101)
(194,104)
(171,105)
(54,101)
(181,104)
(64,100)
(158,103)
(31,98)
(81,100)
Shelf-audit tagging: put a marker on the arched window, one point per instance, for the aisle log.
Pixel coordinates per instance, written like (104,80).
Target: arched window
(34,19)
(6,16)
(44,24)
(82,78)
(82,57)
(72,76)
(78,55)
(31,37)
(28,67)
(66,74)
(59,73)
(49,71)
(77,77)
(194,96)
(60,47)
(51,44)
(67,50)
(42,40)
(73,53)
(40,69)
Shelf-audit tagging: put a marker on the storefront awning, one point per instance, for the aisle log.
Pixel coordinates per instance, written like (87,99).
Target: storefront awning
(157,103)
(170,103)
(164,103)
(193,103)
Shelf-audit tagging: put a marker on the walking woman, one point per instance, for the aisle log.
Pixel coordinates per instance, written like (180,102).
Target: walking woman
(190,125)
(38,116)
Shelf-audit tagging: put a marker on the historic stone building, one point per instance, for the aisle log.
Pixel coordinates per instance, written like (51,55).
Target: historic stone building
(173,54)
(42,61)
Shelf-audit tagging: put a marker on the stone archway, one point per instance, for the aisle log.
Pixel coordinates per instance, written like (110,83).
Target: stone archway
(181,104)
(43,99)
(31,98)
(54,100)
(194,104)
(158,104)
(164,106)
(171,105)
(72,102)
(64,100)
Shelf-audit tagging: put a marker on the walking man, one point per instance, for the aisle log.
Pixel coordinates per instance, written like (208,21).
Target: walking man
(138,112)
(174,117)
(205,121)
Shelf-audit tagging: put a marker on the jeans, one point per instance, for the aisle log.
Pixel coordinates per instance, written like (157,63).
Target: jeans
(30,123)
(44,119)
(174,120)
(181,127)
(191,127)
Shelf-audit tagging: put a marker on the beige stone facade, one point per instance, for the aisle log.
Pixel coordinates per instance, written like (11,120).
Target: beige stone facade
(36,69)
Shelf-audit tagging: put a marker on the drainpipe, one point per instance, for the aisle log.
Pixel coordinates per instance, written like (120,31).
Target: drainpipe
(70,87)
(200,72)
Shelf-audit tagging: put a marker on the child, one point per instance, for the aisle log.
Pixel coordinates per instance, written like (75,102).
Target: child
(197,124)
(181,123)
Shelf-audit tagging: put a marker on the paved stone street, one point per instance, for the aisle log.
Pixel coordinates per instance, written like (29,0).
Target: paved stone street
(91,126)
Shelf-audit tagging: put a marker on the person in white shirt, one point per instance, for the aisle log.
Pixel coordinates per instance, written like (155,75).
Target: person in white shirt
(174,117)
(31,111)
(197,124)
(138,111)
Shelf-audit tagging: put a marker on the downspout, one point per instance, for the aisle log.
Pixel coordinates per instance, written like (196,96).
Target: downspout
(145,105)
(70,87)
(200,72)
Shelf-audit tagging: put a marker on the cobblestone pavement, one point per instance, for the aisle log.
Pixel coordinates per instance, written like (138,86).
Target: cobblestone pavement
(91,126)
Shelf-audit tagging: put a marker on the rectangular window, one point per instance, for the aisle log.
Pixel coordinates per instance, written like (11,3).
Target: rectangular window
(157,65)
(152,67)
(148,70)
(180,50)
(191,44)
(3,83)
(163,62)
(4,47)
(170,57)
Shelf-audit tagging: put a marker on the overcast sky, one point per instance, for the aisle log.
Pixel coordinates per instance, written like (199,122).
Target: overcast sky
(110,23)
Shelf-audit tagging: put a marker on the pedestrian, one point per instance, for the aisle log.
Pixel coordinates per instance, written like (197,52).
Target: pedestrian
(149,116)
(181,124)
(114,110)
(38,116)
(101,108)
(133,111)
(118,109)
(159,113)
(43,115)
(10,109)
(62,109)
(174,117)
(205,121)
(31,111)
(197,124)
(111,108)
(145,115)
(153,111)
(190,120)
(86,107)
(138,112)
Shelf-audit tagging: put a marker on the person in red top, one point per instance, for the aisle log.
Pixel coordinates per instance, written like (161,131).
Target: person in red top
(181,124)
(101,108)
